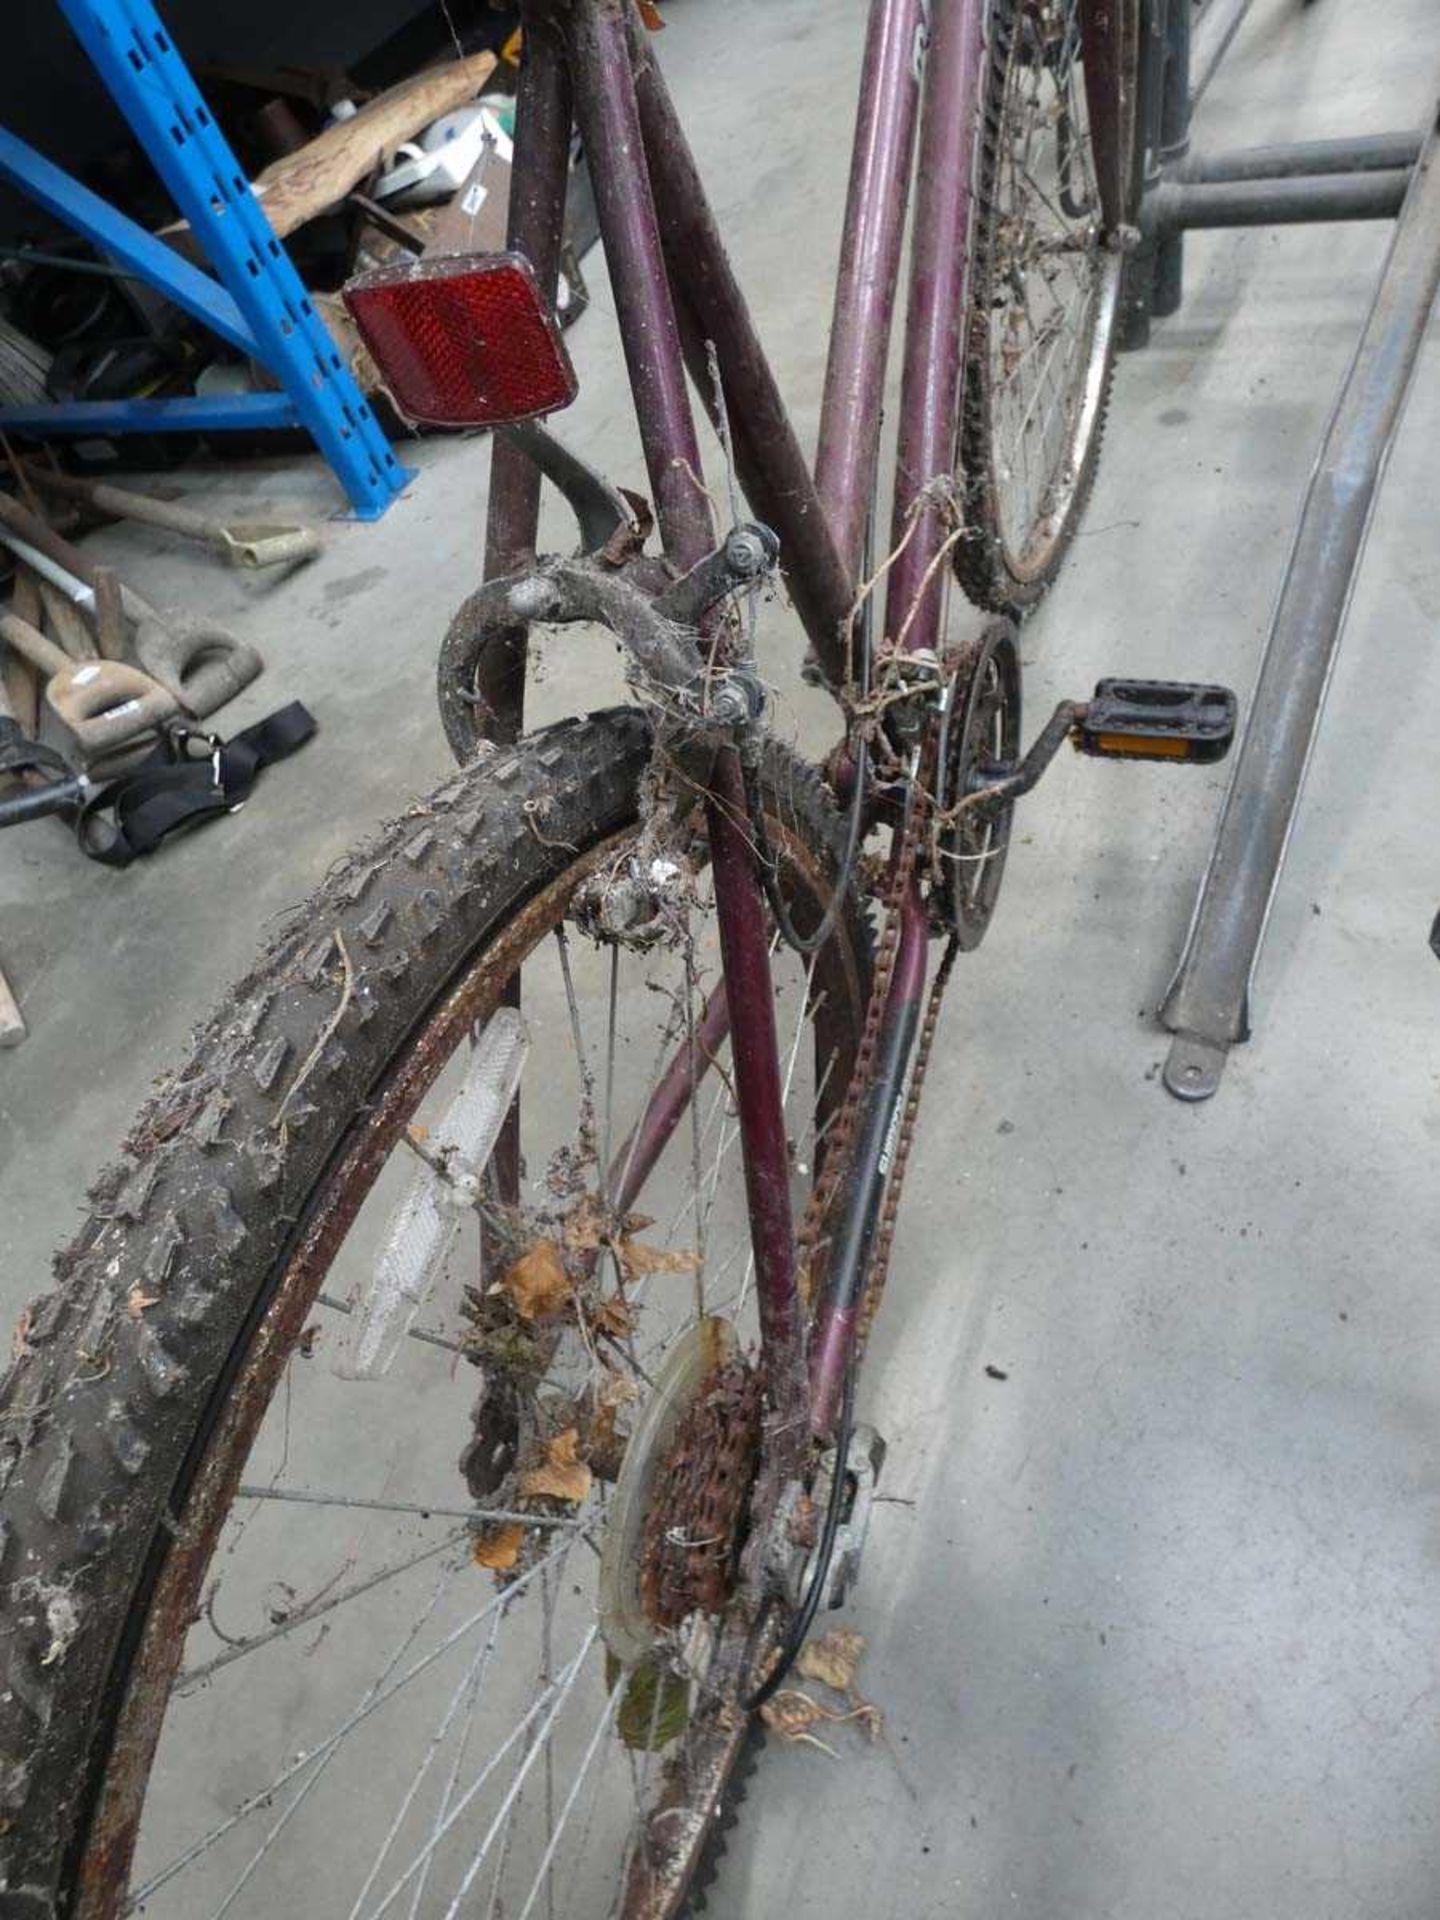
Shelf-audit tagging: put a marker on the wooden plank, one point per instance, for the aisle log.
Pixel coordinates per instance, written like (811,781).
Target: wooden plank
(301,185)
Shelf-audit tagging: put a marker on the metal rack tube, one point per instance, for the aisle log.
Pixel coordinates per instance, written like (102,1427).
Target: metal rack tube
(1208,1005)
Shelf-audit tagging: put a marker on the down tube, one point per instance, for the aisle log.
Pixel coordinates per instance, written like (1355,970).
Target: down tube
(608,111)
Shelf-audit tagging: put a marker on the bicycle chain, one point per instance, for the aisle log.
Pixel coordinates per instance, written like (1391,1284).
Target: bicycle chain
(840,1145)
(890,1207)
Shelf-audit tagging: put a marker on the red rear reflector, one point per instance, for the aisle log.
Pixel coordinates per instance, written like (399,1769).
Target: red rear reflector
(465,340)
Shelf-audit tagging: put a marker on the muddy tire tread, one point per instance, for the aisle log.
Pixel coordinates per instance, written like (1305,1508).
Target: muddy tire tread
(116,1365)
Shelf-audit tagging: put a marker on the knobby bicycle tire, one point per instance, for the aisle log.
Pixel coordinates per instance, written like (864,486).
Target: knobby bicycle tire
(116,1416)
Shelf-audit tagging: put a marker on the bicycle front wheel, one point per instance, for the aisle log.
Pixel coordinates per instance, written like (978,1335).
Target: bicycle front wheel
(1045,278)
(282,1639)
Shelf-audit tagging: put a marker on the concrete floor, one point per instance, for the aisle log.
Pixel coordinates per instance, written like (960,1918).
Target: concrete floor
(1153,1621)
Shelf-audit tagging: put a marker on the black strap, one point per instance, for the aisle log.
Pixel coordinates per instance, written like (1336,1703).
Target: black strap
(179,787)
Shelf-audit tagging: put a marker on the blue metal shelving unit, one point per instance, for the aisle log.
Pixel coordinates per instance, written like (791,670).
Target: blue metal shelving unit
(258,303)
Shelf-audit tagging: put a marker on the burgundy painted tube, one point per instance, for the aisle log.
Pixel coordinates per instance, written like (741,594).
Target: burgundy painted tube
(635,1162)
(1106,70)
(771,466)
(539,180)
(838,1318)
(755,1059)
(608,113)
(939,275)
(869,269)
(609,118)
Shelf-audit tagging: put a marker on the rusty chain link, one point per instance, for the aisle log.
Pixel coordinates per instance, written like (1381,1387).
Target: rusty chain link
(840,1144)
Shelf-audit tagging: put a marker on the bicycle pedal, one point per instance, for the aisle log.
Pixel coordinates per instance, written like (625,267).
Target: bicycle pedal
(1159,720)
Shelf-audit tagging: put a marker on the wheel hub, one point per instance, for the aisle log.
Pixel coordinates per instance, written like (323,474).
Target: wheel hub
(980,742)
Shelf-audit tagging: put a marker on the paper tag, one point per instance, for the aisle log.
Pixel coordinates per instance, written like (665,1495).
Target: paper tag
(475,198)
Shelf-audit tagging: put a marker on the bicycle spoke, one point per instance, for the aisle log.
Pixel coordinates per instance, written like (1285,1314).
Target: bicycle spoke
(302,1616)
(306,1496)
(558,1691)
(602,1727)
(457,1761)
(370,1705)
(472,1682)
(406,1642)
(700,1219)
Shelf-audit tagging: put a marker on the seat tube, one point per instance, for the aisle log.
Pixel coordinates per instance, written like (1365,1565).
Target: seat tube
(608,113)
(539,179)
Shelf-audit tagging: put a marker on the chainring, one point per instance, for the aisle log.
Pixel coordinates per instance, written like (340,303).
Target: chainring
(980,742)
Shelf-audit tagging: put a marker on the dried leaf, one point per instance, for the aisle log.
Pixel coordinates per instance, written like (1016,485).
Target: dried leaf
(605,1445)
(604,1448)
(792,1714)
(834,1658)
(617,1391)
(498,1547)
(562,1475)
(870,1718)
(538,1284)
(614,1316)
(137,1300)
(650,14)
(637,1259)
(586,1225)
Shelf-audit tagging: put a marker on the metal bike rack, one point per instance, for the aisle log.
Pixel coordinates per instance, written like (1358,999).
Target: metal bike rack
(1381,176)
(1207,1007)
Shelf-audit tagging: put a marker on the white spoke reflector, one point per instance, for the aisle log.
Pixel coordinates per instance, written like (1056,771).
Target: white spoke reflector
(425,1222)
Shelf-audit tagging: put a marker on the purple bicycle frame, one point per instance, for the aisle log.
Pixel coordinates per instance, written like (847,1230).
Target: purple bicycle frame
(675,292)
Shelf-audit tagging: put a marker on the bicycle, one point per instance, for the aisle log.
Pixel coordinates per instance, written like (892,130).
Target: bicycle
(577,979)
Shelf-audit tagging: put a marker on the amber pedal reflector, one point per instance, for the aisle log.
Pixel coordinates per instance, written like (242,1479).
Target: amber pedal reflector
(1138,746)
(466,340)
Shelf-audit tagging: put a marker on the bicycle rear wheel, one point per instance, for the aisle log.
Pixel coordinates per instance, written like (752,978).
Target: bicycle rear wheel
(1040,335)
(270,1648)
